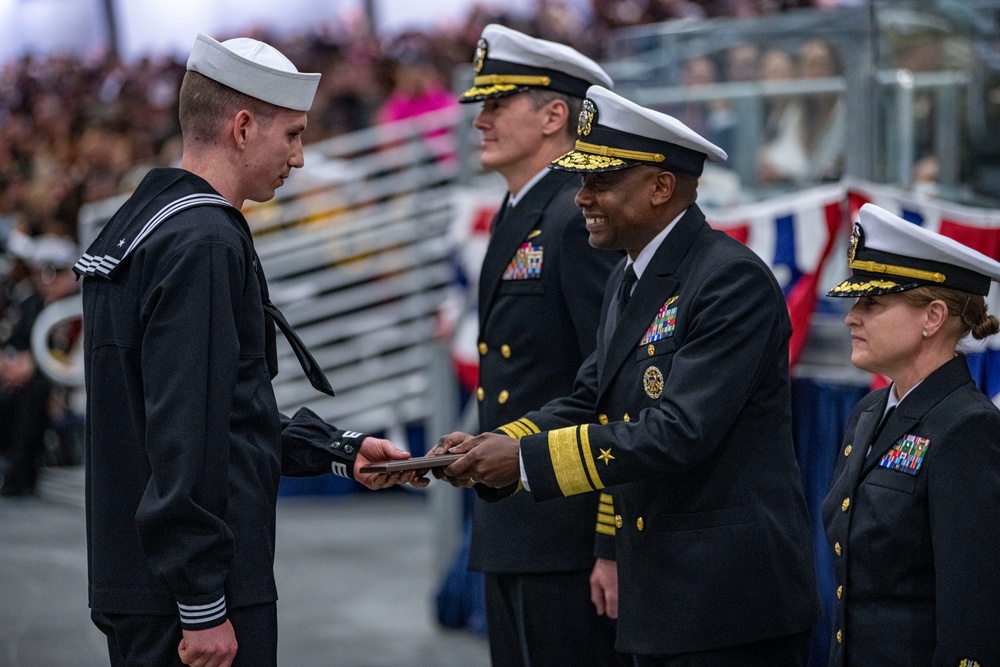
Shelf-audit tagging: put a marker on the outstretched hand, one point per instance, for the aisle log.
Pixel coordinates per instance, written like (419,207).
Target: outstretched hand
(376,450)
(492,459)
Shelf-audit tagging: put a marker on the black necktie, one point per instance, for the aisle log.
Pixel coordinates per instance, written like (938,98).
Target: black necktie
(309,364)
(625,288)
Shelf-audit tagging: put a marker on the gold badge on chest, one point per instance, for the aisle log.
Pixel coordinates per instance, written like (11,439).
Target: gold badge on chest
(652,382)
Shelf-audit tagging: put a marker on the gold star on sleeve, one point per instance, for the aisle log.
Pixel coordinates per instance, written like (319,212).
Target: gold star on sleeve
(606,456)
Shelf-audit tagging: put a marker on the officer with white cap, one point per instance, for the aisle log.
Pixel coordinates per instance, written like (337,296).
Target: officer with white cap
(682,413)
(184,440)
(918,477)
(539,303)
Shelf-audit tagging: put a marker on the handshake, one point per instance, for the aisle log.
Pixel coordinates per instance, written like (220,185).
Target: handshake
(460,459)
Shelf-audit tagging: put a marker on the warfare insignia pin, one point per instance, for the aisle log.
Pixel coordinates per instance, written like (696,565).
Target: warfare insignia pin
(968,662)
(587,118)
(479,59)
(906,455)
(652,382)
(852,246)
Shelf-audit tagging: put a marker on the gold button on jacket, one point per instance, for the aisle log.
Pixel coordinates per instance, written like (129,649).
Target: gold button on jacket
(618,521)
(844,505)
(639,523)
(847,450)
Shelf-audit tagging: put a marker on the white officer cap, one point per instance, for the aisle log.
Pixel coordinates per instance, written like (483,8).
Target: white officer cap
(615,133)
(255,69)
(888,254)
(508,62)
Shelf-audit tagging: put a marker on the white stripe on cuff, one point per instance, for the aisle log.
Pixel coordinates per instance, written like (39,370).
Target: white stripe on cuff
(202,613)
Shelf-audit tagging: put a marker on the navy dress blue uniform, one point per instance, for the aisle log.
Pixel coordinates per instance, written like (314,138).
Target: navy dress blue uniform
(539,305)
(685,411)
(185,444)
(913,508)
(916,561)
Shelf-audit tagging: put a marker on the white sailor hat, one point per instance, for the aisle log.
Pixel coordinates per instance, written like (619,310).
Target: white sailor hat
(53,251)
(888,254)
(508,62)
(20,245)
(255,69)
(614,133)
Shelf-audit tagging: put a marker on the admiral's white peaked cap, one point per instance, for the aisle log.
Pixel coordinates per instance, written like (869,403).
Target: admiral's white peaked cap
(616,133)
(508,61)
(255,69)
(890,254)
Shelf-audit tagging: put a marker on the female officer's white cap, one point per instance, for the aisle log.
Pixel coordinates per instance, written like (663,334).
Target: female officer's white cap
(888,254)
(616,133)
(255,69)
(508,62)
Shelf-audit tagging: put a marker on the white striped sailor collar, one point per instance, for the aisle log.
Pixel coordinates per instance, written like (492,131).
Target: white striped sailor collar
(127,229)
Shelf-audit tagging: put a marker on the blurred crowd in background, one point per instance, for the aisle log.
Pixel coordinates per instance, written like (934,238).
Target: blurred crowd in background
(76,130)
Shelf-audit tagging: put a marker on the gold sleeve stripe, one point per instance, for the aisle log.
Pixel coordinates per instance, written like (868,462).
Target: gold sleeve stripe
(605,508)
(606,498)
(510,430)
(606,530)
(610,520)
(566,462)
(588,456)
(530,425)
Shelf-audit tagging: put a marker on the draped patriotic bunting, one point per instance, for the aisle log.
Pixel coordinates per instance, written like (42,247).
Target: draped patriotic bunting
(795,234)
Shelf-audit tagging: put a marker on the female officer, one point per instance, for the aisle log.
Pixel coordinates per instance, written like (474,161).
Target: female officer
(913,514)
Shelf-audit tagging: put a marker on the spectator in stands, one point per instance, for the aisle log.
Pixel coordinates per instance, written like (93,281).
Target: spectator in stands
(912,511)
(417,86)
(24,390)
(417,89)
(824,114)
(742,62)
(713,119)
(689,316)
(783,157)
(184,440)
(539,304)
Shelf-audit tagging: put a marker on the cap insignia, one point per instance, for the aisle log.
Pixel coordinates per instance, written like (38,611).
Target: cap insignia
(852,246)
(652,382)
(587,117)
(479,59)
